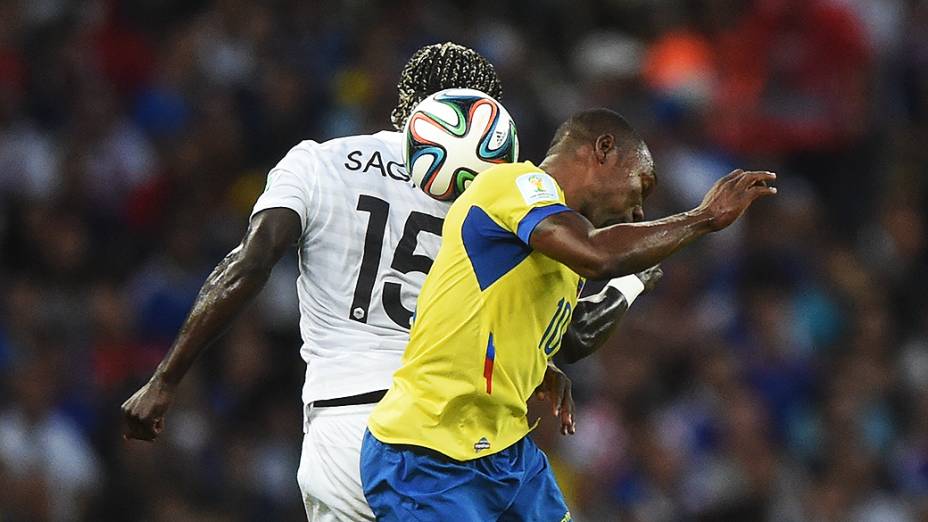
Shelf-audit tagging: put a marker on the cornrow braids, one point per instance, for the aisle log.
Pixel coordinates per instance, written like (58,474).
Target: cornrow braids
(442,66)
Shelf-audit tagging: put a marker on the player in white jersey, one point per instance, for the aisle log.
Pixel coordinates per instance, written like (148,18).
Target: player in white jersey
(366,237)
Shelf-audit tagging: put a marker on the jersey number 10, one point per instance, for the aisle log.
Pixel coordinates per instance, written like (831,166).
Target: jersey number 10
(405,260)
(551,339)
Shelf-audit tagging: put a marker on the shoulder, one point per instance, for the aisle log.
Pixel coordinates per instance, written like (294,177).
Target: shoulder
(378,140)
(364,151)
(311,148)
(537,186)
(300,158)
(523,181)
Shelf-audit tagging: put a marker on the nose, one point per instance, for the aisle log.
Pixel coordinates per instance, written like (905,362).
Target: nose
(637,214)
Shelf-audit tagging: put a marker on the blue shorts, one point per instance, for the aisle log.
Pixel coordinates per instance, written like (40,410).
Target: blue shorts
(403,483)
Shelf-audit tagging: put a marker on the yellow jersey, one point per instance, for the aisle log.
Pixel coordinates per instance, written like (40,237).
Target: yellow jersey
(490,314)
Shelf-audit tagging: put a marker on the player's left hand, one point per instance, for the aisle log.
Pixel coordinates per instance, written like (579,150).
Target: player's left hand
(650,277)
(555,388)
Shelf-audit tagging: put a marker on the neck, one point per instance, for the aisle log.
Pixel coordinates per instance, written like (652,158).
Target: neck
(568,177)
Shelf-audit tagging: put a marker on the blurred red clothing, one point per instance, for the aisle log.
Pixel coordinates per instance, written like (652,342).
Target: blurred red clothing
(792,77)
(12,70)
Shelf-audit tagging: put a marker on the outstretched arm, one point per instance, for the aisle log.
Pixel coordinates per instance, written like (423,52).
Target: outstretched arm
(230,288)
(603,253)
(597,316)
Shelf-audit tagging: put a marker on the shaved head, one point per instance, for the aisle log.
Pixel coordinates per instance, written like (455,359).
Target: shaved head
(585,127)
(603,165)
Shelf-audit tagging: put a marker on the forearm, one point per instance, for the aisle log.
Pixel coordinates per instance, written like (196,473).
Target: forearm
(594,320)
(617,250)
(629,248)
(228,290)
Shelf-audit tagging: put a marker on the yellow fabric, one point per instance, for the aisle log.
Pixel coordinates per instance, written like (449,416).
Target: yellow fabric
(440,397)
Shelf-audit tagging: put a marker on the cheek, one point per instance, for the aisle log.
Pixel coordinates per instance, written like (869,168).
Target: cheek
(623,203)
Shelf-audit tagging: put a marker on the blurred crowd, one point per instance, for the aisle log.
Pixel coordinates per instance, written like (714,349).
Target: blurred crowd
(779,372)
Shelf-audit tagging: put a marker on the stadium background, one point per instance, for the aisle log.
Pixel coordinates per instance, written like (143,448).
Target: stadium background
(779,372)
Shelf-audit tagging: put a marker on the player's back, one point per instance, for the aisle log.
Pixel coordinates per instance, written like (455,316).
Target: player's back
(369,237)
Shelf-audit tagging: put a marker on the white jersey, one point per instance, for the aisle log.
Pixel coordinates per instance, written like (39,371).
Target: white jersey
(369,237)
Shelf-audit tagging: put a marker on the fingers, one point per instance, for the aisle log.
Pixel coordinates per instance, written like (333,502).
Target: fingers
(140,432)
(760,191)
(568,426)
(756,184)
(756,193)
(724,180)
(731,175)
(651,277)
(753,178)
(556,387)
(559,395)
(141,429)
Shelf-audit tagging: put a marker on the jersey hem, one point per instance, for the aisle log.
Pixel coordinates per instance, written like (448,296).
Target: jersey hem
(457,457)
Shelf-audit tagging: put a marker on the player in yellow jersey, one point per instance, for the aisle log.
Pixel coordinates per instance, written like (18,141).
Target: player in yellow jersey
(448,441)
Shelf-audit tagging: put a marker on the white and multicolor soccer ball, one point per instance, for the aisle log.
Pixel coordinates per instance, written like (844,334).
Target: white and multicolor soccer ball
(452,136)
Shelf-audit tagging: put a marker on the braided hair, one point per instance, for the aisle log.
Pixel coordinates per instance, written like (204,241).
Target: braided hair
(442,66)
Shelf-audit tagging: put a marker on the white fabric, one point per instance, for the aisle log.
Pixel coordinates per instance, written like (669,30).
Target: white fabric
(330,465)
(630,286)
(348,350)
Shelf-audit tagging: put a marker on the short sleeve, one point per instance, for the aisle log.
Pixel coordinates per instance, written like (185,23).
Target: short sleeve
(292,184)
(525,201)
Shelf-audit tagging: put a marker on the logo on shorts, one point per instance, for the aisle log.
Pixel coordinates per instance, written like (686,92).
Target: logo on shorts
(567,517)
(481,445)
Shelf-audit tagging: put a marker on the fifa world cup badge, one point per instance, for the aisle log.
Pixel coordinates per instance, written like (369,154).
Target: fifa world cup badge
(537,187)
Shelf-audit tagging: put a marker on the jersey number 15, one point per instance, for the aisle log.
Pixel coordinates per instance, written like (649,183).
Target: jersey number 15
(405,259)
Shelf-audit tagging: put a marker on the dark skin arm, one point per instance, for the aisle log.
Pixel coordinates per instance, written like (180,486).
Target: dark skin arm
(603,253)
(623,249)
(593,321)
(597,316)
(228,290)
(556,389)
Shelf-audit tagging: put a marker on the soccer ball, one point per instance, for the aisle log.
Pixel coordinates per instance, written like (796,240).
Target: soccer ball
(452,136)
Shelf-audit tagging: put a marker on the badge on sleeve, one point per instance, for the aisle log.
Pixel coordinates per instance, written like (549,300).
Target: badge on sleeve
(537,187)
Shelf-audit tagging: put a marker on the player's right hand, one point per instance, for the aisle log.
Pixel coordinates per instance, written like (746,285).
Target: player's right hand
(556,389)
(727,200)
(144,411)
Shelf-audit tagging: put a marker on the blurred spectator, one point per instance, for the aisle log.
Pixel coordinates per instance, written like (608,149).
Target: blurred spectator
(53,471)
(779,372)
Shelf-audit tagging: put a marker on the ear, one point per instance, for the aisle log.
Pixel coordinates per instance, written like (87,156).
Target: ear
(604,144)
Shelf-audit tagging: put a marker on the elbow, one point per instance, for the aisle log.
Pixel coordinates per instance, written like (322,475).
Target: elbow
(610,265)
(569,357)
(603,267)
(569,352)
(595,267)
(575,345)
